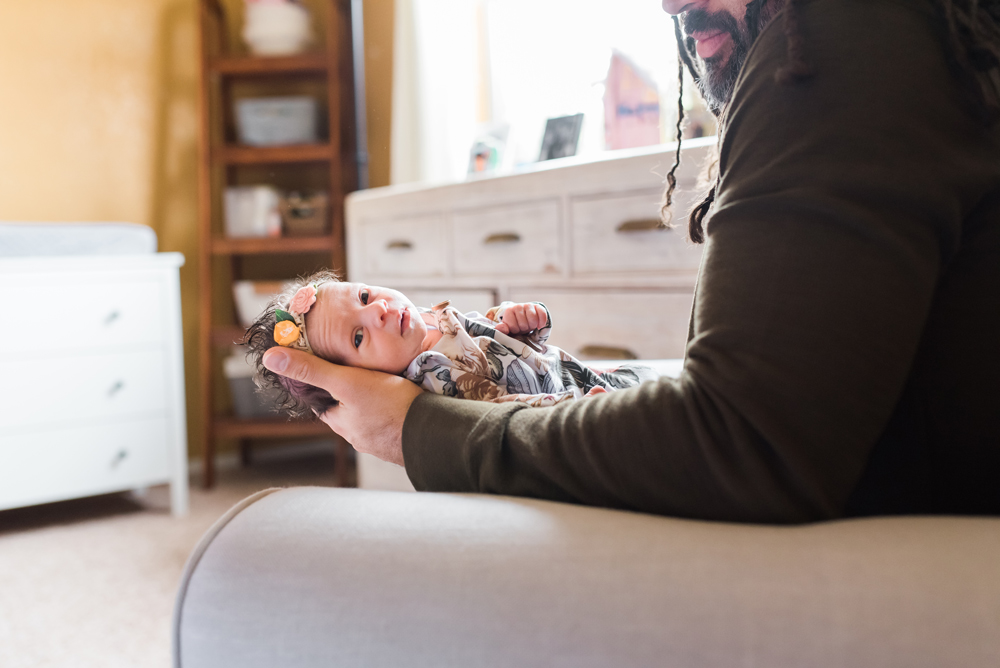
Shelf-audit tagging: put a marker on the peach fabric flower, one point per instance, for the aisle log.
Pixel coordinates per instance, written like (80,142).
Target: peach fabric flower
(286,333)
(303,300)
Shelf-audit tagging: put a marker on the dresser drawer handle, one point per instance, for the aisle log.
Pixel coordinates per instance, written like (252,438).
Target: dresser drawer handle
(111,317)
(119,458)
(116,388)
(503,238)
(399,245)
(640,225)
(608,353)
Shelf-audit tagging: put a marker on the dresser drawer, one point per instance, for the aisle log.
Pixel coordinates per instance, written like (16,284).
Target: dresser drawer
(62,390)
(67,463)
(618,233)
(463,300)
(642,324)
(410,247)
(522,239)
(65,315)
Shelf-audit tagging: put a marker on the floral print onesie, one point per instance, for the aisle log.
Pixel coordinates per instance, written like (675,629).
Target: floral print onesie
(475,361)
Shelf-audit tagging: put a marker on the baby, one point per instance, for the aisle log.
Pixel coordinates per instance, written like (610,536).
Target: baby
(501,356)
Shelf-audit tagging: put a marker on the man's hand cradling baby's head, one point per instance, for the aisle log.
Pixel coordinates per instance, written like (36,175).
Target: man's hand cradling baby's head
(361,389)
(276,360)
(295,367)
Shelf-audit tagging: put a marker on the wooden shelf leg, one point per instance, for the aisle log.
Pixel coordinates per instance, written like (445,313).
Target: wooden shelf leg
(246,452)
(341,458)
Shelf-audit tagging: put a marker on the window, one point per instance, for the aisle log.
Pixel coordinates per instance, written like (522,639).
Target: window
(462,64)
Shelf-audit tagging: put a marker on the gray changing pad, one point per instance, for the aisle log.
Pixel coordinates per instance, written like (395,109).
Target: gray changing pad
(33,239)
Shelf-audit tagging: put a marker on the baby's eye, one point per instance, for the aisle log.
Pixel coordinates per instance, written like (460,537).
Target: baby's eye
(364,296)
(358,338)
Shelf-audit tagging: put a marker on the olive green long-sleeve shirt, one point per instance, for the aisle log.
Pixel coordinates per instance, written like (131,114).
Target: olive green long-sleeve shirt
(845,344)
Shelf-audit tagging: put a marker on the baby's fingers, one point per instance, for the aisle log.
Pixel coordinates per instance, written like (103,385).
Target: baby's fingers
(537,318)
(518,318)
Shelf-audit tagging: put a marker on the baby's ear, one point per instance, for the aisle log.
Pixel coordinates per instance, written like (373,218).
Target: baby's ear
(492,313)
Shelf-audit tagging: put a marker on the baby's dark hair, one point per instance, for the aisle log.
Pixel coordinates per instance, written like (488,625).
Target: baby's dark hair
(294,396)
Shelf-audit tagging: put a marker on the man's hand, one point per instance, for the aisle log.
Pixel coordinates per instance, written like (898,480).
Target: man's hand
(373,405)
(522,318)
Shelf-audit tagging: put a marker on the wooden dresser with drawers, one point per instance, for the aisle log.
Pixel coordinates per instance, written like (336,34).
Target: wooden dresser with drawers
(578,236)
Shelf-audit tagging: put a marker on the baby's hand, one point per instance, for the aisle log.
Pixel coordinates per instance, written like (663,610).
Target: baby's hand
(522,318)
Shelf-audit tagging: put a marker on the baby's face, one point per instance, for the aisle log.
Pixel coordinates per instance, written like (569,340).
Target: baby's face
(365,326)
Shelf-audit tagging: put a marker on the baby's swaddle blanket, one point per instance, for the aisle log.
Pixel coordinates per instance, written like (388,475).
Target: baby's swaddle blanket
(475,361)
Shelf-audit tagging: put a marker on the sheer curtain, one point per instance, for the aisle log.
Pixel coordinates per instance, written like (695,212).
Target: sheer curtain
(439,78)
(462,63)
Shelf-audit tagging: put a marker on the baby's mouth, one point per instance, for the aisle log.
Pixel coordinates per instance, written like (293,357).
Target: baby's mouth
(404,319)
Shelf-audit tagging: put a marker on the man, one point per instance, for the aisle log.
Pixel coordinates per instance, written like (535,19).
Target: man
(843,357)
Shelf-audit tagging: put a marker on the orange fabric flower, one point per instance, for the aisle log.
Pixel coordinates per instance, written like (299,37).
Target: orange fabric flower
(286,333)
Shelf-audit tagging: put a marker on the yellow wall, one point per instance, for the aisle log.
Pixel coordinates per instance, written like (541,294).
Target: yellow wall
(98,122)
(379,16)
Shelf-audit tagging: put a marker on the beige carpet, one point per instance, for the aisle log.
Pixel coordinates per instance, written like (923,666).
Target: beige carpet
(91,582)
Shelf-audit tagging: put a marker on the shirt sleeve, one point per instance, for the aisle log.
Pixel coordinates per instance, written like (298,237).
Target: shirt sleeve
(833,219)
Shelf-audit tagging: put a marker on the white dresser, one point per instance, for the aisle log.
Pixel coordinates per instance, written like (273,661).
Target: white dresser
(93,398)
(578,235)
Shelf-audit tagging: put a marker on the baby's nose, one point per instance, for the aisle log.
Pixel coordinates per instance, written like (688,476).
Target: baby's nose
(380,310)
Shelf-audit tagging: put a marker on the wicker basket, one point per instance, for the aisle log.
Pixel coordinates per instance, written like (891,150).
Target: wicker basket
(305,215)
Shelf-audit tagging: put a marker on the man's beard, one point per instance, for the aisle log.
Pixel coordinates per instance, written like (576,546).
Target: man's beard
(717,79)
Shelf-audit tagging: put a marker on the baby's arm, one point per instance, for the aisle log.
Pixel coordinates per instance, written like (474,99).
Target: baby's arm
(532,319)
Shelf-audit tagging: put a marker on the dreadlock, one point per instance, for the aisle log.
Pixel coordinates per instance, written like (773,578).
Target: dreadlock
(970,31)
(666,207)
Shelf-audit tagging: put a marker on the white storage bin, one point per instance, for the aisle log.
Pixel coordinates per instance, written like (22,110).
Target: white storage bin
(253,211)
(272,121)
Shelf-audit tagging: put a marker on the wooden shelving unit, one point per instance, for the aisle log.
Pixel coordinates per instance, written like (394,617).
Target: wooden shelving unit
(272,155)
(256,66)
(265,245)
(223,70)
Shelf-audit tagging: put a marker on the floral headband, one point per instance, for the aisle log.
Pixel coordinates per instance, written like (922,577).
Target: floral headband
(290,325)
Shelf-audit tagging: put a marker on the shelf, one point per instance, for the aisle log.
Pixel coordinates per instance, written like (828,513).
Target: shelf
(277,427)
(273,245)
(263,155)
(328,163)
(314,63)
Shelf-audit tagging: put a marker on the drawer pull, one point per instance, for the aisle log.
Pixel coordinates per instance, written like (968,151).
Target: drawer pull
(399,245)
(111,317)
(640,225)
(116,388)
(608,353)
(119,458)
(503,238)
